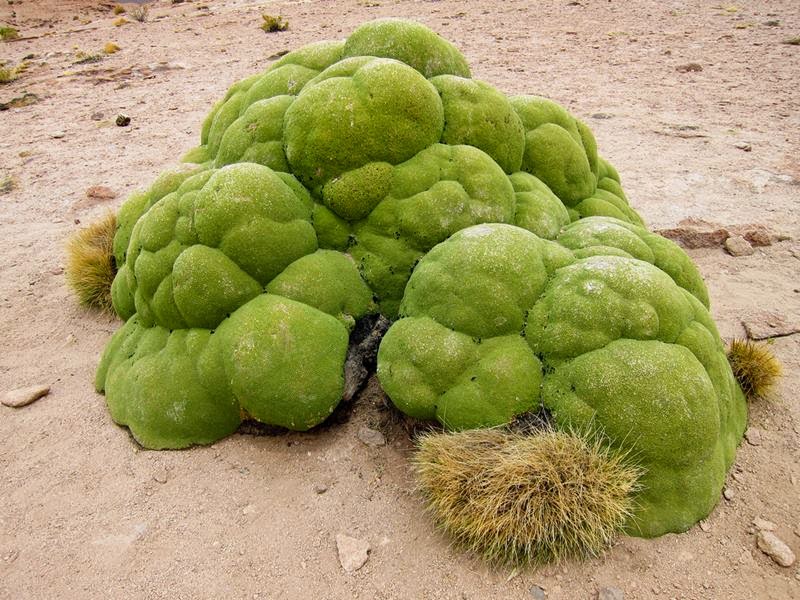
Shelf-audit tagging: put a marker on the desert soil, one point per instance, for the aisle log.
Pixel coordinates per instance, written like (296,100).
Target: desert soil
(86,513)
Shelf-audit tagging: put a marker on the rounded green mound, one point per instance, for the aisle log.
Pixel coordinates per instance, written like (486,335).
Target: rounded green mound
(596,336)
(374,175)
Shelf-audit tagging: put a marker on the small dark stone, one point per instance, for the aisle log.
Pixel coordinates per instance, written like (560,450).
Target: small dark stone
(122,120)
(537,593)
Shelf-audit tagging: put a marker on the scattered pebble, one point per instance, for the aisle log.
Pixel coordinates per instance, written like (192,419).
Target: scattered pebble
(728,493)
(736,245)
(602,116)
(537,593)
(160,476)
(753,436)
(320,488)
(353,553)
(743,146)
(705,526)
(371,437)
(24,396)
(122,120)
(97,116)
(689,68)
(101,192)
(771,545)
(57,135)
(610,593)
(765,325)
(764,525)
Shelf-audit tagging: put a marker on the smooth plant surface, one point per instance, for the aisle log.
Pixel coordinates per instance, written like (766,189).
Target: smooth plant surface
(374,174)
(518,499)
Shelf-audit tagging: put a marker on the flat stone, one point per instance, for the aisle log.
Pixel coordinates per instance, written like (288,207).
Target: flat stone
(705,526)
(537,593)
(160,476)
(610,593)
(24,396)
(696,233)
(320,488)
(101,192)
(728,494)
(353,553)
(57,135)
(746,146)
(753,436)
(371,437)
(764,525)
(766,325)
(774,547)
(736,245)
(692,67)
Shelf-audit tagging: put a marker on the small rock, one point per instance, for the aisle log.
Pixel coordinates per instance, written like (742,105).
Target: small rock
(57,135)
(728,494)
(736,245)
(353,553)
(610,593)
(97,116)
(765,325)
(696,233)
(753,436)
(743,146)
(689,68)
(24,396)
(122,120)
(101,192)
(160,476)
(771,545)
(320,488)
(602,116)
(537,593)
(705,526)
(764,525)
(371,437)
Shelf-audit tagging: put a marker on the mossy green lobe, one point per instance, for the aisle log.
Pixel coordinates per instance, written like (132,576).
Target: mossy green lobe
(656,401)
(477,114)
(284,360)
(603,298)
(538,209)
(434,373)
(328,281)
(385,111)
(409,42)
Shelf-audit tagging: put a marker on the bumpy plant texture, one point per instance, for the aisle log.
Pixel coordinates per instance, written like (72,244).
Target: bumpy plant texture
(374,174)
(521,499)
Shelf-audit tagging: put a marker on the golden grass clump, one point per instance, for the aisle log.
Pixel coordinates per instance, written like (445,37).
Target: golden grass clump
(272,24)
(754,367)
(90,263)
(518,499)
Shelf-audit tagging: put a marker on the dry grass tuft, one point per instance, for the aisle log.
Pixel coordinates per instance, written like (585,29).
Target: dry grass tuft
(118,9)
(140,13)
(755,368)
(520,499)
(8,33)
(272,24)
(90,263)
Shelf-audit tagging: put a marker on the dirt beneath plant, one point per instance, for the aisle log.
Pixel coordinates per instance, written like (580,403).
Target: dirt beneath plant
(694,102)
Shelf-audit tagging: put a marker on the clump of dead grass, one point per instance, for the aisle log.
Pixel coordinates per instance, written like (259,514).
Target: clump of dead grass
(272,24)
(518,499)
(755,367)
(90,267)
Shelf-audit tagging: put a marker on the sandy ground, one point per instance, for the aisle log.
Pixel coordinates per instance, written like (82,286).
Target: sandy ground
(83,511)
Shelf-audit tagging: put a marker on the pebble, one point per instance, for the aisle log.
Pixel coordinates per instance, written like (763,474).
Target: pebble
(610,593)
(122,120)
(743,146)
(320,488)
(57,135)
(101,192)
(160,476)
(753,436)
(689,68)
(537,593)
(705,526)
(353,553)
(24,396)
(728,493)
(764,525)
(771,545)
(371,437)
(736,245)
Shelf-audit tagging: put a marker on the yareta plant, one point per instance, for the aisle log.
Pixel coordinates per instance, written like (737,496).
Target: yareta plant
(375,176)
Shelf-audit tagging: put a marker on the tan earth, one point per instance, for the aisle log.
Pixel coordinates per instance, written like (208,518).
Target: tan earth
(85,513)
